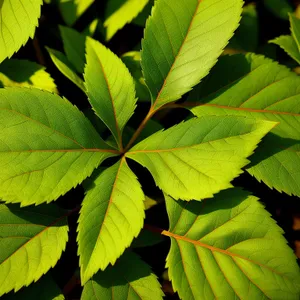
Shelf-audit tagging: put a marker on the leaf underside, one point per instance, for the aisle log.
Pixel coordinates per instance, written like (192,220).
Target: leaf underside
(229,248)
(259,88)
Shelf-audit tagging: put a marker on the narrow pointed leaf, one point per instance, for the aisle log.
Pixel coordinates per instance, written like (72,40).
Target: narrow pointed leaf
(119,13)
(229,248)
(256,87)
(44,289)
(24,73)
(112,215)
(295,29)
(64,66)
(32,240)
(288,44)
(198,158)
(183,40)
(110,87)
(18,20)
(71,10)
(74,46)
(129,279)
(47,146)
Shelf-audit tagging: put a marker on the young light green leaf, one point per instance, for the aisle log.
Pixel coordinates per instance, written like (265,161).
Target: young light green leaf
(257,87)
(31,240)
(295,29)
(183,40)
(74,46)
(24,73)
(288,44)
(110,88)
(47,146)
(129,279)
(120,12)
(44,289)
(18,20)
(64,66)
(229,248)
(279,8)
(198,158)
(112,215)
(71,10)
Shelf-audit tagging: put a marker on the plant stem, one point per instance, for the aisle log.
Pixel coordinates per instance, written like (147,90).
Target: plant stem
(38,52)
(71,284)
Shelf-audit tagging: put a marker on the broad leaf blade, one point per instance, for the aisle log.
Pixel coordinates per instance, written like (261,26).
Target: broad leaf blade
(256,87)
(71,10)
(129,279)
(183,40)
(112,215)
(24,73)
(18,20)
(31,240)
(47,146)
(44,289)
(288,44)
(64,66)
(198,158)
(229,248)
(110,88)
(74,46)
(119,13)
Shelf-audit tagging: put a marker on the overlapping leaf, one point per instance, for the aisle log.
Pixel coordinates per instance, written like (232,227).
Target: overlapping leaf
(31,240)
(129,279)
(198,158)
(23,73)
(229,248)
(47,146)
(44,289)
(119,13)
(18,19)
(110,88)
(256,87)
(295,29)
(112,215)
(183,40)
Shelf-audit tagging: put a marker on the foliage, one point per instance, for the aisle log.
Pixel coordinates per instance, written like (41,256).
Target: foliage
(240,113)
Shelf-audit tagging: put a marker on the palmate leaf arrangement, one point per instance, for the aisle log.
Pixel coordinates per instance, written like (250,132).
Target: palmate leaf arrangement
(224,244)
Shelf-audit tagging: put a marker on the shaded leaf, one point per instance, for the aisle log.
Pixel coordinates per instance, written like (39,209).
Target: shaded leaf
(18,20)
(257,87)
(182,42)
(31,240)
(110,88)
(129,279)
(147,238)
(198,158)
(229,248)
(112,215)
(47,146)
(120,12)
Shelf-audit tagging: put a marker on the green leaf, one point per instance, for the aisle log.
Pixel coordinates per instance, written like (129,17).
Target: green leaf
(112,215)
(295,29)
(288,44)
(23,73)
(64,66)
(110,88)
(247,35)
(132,60)
(147,238)
(47,146)
(129,279)
(229,248)
(279,8)
(183,40)
(44,289)
(199,157)
(18,20)
(142,17)
(71,10)
(32,240)
(74,46)
(120,12)
(257,87)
